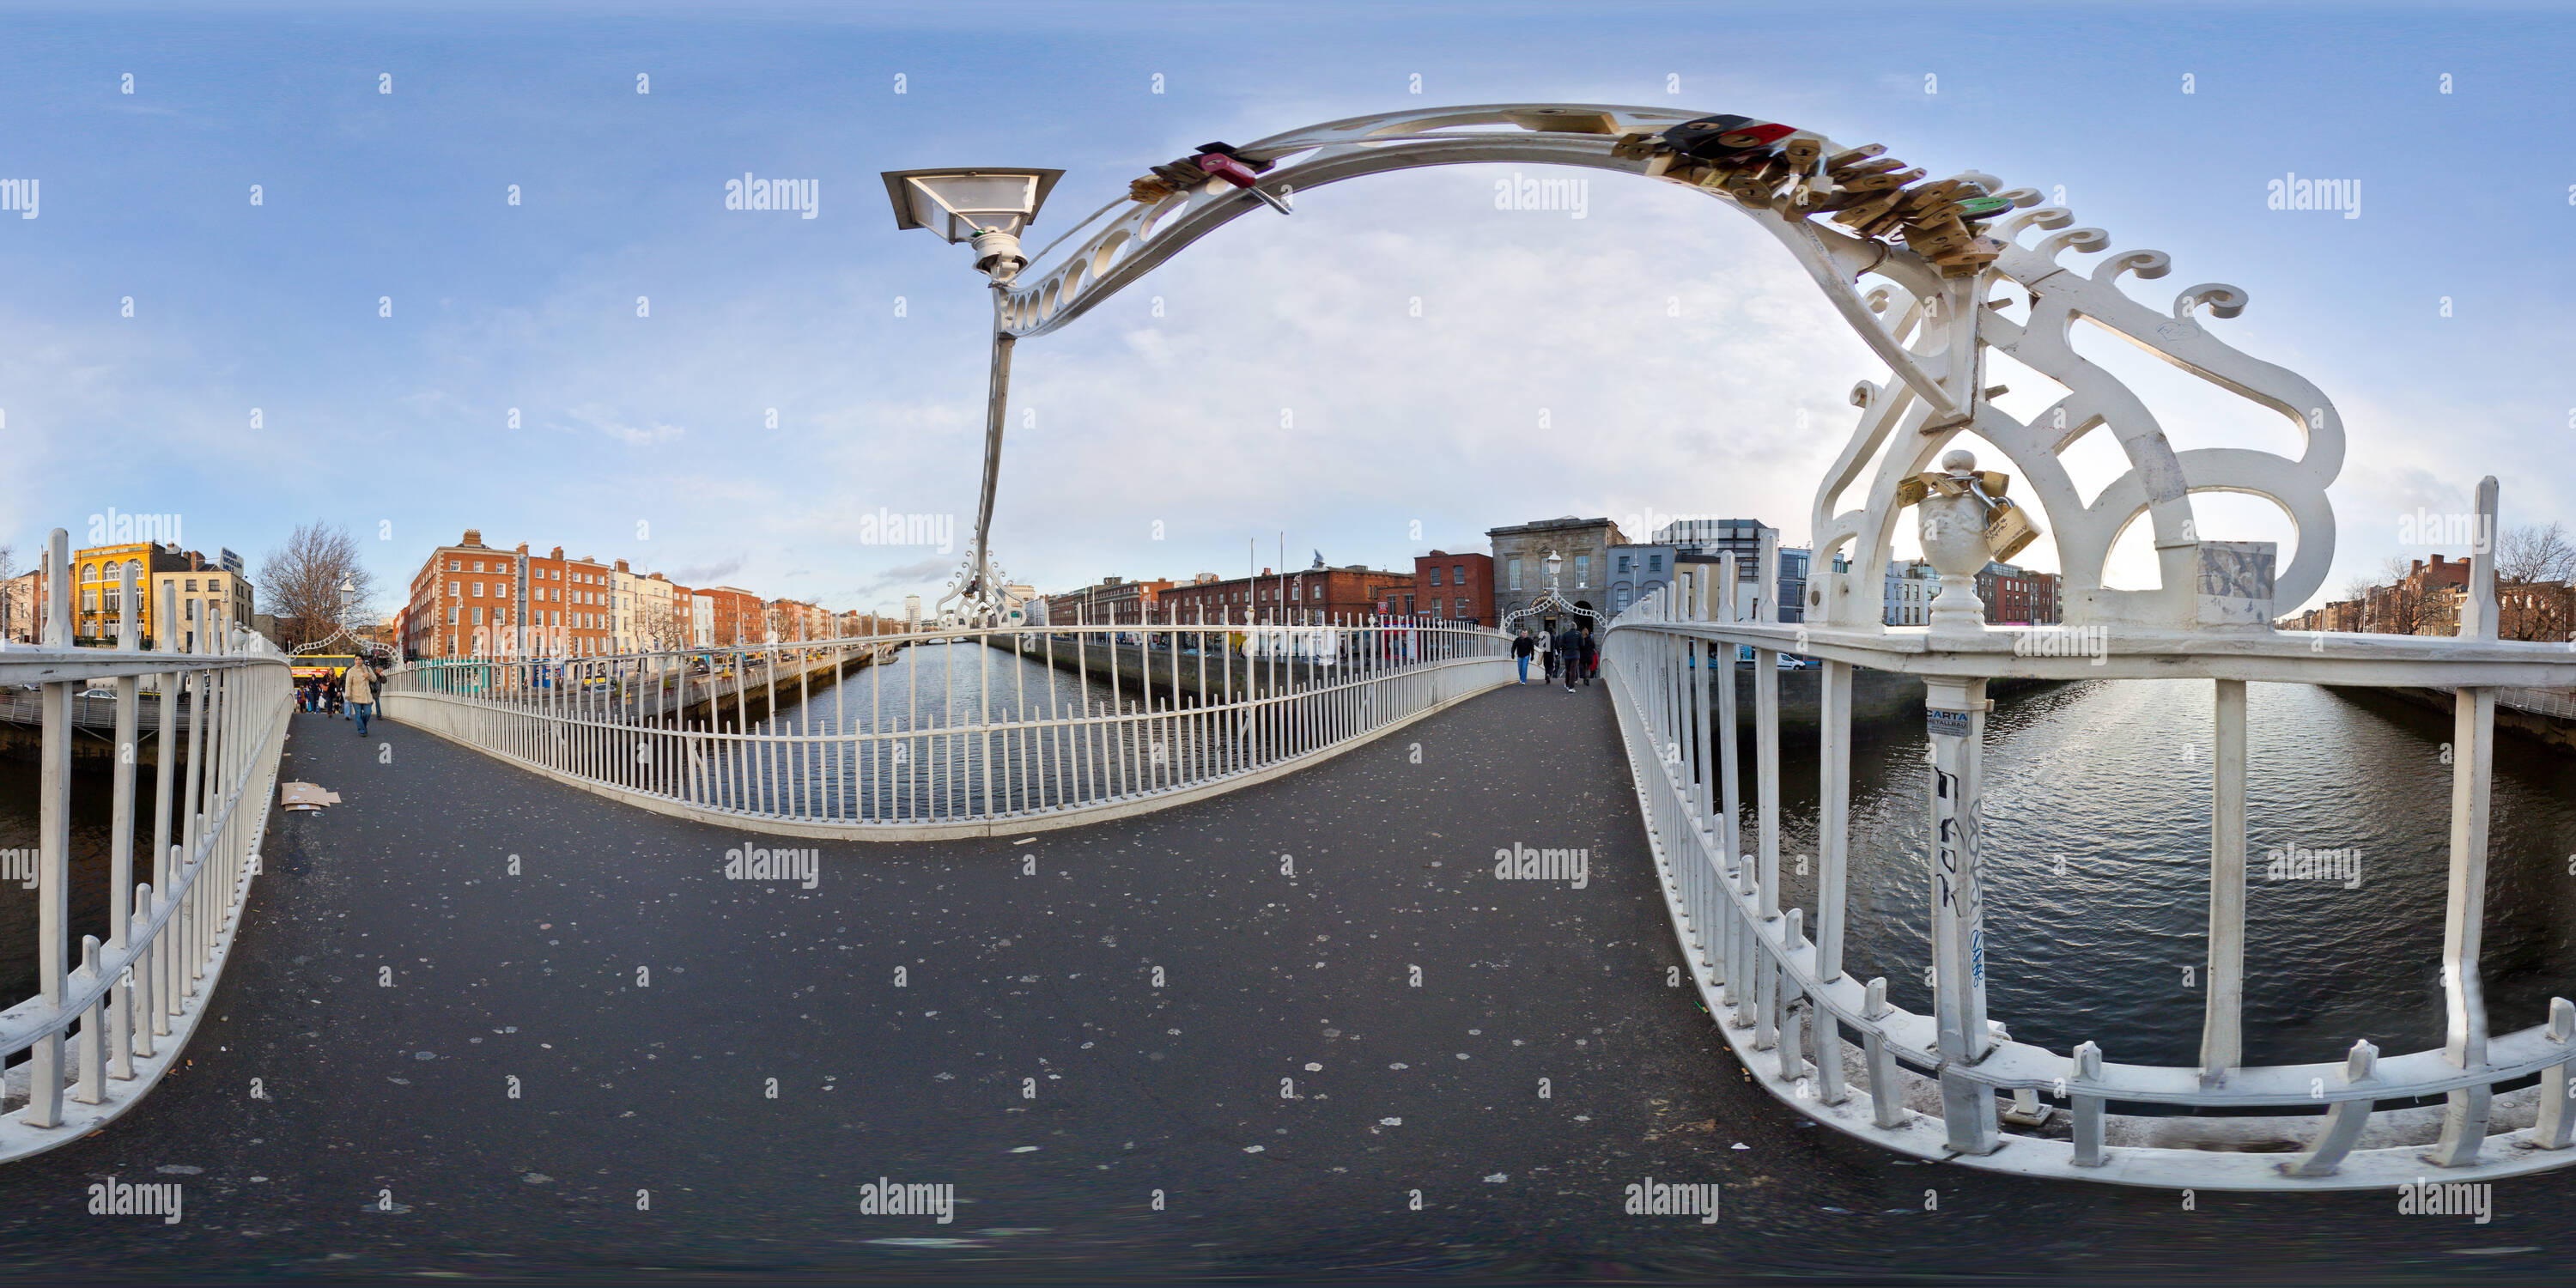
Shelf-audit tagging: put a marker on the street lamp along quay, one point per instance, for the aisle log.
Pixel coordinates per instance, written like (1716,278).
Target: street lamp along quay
(987,207)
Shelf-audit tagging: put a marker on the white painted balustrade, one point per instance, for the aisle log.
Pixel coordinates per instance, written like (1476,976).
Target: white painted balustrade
(960,731)
(1952,1085)
(108,1020)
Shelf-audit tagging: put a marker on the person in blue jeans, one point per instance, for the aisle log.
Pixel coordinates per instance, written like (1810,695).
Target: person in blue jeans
(360,694)
(1521,650)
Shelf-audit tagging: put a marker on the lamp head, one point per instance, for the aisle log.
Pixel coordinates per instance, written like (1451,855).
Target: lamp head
(987,206)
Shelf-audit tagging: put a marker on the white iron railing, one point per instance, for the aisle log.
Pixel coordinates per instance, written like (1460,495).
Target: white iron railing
(129,1006)
(1104,721)
(1953,1086)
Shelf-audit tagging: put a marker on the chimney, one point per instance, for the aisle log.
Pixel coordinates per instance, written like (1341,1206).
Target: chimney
(473,537)
(523,547)
(558,553)
(2419,564)
(2437,561)
(1265,572)
(621,566)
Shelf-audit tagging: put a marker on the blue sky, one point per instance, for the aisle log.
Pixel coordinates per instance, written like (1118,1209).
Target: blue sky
(646,438)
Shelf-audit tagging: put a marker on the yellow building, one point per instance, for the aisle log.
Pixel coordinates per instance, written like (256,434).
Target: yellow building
(98,588)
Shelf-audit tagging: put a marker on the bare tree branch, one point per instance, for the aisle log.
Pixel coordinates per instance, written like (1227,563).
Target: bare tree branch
(301,582)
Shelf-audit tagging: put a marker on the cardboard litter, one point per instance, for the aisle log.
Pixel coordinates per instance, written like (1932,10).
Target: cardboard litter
(305,796)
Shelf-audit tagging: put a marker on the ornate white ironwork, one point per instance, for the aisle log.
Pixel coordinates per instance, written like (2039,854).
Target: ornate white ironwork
(1930,328)
(1548,599)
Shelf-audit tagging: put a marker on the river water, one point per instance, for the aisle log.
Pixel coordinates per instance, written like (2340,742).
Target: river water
(2097,801)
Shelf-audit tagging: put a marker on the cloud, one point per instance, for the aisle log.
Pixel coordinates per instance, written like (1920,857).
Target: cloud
(707,574)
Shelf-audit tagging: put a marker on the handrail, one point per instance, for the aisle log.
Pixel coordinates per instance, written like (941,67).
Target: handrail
(1788,1009)
(1128,715)
(136,999)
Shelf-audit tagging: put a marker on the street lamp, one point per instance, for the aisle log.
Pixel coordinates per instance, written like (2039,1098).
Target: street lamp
(987,207)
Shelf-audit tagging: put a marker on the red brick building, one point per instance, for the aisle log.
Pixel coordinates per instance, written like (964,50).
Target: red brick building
(1312,595)
(1114,601)
(462,600)
(1454,588)
(2018,596)
(738,615)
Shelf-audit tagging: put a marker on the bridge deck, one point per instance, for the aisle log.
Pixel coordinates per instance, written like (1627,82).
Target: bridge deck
(1045,977)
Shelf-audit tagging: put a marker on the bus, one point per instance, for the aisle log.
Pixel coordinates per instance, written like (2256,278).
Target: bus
(321,666)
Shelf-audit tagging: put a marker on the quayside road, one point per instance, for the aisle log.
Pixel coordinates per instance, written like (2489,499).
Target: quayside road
(1287,1086)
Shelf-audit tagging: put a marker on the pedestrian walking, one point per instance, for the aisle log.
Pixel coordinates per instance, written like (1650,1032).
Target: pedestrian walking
(1521,650)
(331,696)
(361,689)
(1589,649)
(1569,648)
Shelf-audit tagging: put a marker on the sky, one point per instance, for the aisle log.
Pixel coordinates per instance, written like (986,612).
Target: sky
(1396,367)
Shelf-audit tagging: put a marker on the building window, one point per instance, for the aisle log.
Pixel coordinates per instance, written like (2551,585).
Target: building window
(1623,563)
(1654,563)
(1513,567)
(1458,574)
(1435,576)
(1583,570)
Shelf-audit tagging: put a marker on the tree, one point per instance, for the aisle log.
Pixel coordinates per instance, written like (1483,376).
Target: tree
(2390,609)
(301,580)
(2533,563)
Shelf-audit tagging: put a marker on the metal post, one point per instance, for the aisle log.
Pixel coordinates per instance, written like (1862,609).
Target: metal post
(1955,719)
(53,839)
(997,399)
(120,878)
(2222,1045)
(2464,1120)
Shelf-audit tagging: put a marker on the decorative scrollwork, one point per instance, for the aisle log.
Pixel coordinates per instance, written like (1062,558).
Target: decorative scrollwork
(1936,251)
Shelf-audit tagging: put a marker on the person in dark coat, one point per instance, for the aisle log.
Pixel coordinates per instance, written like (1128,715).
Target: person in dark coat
(1569,646)
(1590,646)
(1521,650)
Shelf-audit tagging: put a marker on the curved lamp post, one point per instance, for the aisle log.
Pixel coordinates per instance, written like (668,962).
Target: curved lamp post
(986,207)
